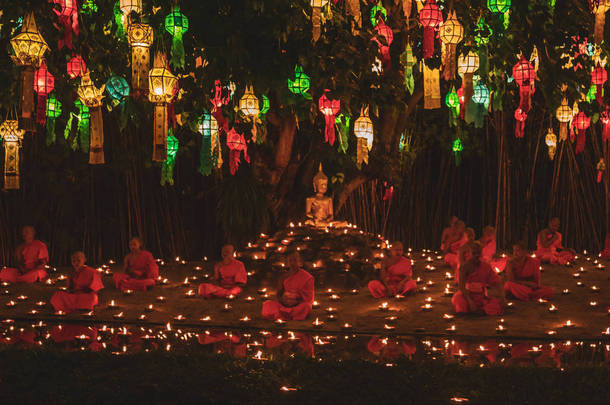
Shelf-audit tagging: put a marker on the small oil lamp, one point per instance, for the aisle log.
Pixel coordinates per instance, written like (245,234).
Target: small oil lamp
(426,307)
(120,315)
(206,318)
(552,308)
(315,305)
(384,307)
(317,324)
(346,326)
(41,304)
(280,322)
(448,317)
(245,319)
(128,292)
(161,298)
(189,294)
(113,304)
(565,291)
(226,308)
(179,318)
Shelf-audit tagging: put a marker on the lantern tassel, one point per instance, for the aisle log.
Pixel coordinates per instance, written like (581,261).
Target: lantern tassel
(27,99)
(606,132)
(599,176)
(329,133)
(160,133)
(362,152)
(41,113)
(428,42)
(205,156)
(342,122)
(177,60)
(234,160)
(580,141)
(316,20)
(51,131)
(96,148)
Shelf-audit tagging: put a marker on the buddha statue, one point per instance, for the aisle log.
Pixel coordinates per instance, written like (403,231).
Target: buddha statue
(319,208)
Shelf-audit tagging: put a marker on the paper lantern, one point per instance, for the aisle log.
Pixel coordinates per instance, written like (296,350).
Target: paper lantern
(177,24)
(480,94)
(53,111)
(520,117)
(29,48)
(407,60)
(564,115)
(601,168)
(498,6)
(208,128)
(457,148)
(76,67)
(378,11)
(84,120)
(167,168)
(431,18)
(386,33)
(329,108)
(140,37)
(451,33)
(467,65)
(363,129)
(161,84)
(11,137)
(432,87)
(599,8)
(264,105)
(129,6)
(91,96)
(581,122)
(316,18)
(452,101)
(248,105)
(117,88)
(68,18)
(605,119)
(236,144)
(599,76)
(301,83)
(551,143)
(524,75)
(44,83)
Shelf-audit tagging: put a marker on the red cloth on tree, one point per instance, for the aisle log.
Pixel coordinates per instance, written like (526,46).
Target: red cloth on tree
(530,271)
(231,277)
(85,282)
(476,283)
(30,255)
(142,272)
(300,287)
(394,275)
(554,254)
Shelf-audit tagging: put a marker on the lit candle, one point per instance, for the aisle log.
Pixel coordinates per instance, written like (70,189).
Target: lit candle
(244,319)
(568,324)
(11,304)
(595,288)
(426,307)
(448,276)
(593,304)
(142,317)
(150,308)
(448,317)
(113,304)
(33,312)
(429,300)
(48,282)
(262,291)
(62,277)
(118,316)
(60,313)
(331,317)
(500,329)
(230,297)
(315,305)
(226,308)
(346,326)
(551,332)
(179,318)
(206,318)
(189,294)
(161,298)
(430,283)
(383,307)
(447,292)
(5,284)
(335,297)
(249,298)
(391,318)
(576,275)
(89,314)
(552,308)
(317,324)
(128,292)
(580,284)
(399,297)
(451,329)
(354,291)
(542,301)
(331,310)
(280,322)
(41,304)
(388,327)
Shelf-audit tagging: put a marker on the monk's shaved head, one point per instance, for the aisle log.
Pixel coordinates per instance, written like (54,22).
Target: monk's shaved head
(78,254)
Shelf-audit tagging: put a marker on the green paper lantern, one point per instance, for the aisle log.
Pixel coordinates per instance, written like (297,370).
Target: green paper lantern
(498,6)
(482,32)
(177,24)
(457,146)
(481,94)
(89,7)
(117,87)
(263,105)
(378,11)
(301,83)
(167,168)
(53,111)
(452,100)
(119,19)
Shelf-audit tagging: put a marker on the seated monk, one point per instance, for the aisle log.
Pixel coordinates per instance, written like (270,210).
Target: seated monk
(458,239)
(523,276)
(464,254)
(141,270)
(295,293)
(32,256)
(395,277)
(83,285)
(319,208)
(448,232)
(549,248)
(488,252)
(475,278)
(230,274)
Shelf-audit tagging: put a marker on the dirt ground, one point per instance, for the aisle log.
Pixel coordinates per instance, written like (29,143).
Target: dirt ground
(522,319)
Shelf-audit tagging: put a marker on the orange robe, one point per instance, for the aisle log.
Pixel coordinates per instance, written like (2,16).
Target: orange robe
(394,275)
(299,286)
(554,254)
(487,254)
(451,258)
(530,271)
(30,255)
(232,276)
(476,283)
(85,283)
(142,272)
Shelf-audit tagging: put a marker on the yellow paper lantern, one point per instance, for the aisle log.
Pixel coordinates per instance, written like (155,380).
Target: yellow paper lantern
(316,17)
(140,37)
(551,142)
(451,33)
(249,106)
(363,129)
(29,47)
(11,137)
(161,84)
(467,65)
(564,115)
(91,96)
(129,6)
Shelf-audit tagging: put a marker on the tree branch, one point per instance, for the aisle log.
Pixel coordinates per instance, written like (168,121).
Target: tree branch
(348,189)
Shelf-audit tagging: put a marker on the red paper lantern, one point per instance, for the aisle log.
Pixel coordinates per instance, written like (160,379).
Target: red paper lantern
(44,83)
(520,116)
(581,123)
(524,75)
(76,67)
(431,18)
(384,48)
(599,76)
(329,108)
(236,144)
(68,17)
(605,119)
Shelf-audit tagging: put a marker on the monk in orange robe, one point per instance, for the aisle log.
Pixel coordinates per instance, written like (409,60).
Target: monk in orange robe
(488,252)
(83,286)
(32,256)
(523,276)
(464,254)
(295,293)
(476,277)
(230,274)
(140,267)
(448,232)
(395,276)
(549,247)
(459,239)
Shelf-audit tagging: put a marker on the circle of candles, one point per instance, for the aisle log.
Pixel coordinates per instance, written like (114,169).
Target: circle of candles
(226,308)
(552,308)
(10,304)
(128,292)
(317,323)
(161,298)
(384,307)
